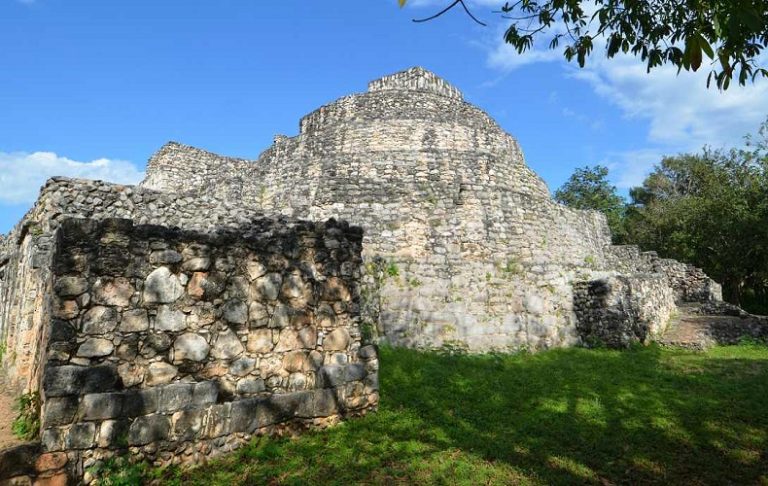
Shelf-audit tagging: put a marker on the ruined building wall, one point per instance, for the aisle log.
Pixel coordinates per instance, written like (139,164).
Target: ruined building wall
(443,194)
(179,345)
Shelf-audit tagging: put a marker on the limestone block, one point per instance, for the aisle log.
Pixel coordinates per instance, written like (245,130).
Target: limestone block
(164,257)
(59,410)
(160,373)
(131,374)
(293,339)
(260,341)
(191,347)
(169,319)
(162,286)
(99,406)
(116,292)
(205,393)
(258,315)
(236,312)
(242,366)
(95,348)
(147,429)
(70,286)
(226,345)
(134,320)
(99,320)
(81,436)
(297,361)
(175,396)
(266,287)
(337,340)
(255,268)
(250,386)
(187,424)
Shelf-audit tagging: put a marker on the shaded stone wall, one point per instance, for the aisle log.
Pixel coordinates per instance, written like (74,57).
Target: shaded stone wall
(179,345)
(618,311)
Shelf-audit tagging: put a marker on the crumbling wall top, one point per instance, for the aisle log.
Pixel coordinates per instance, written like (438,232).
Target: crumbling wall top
(416,79)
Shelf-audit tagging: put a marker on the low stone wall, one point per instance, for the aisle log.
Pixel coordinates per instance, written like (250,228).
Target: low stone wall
(618,311)
(690,283)
(180,345)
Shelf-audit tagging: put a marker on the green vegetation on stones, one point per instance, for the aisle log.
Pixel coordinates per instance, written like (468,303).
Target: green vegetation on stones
(26,425)
(565,416)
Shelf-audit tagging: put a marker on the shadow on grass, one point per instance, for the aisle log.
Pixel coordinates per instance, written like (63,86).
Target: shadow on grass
(559,417)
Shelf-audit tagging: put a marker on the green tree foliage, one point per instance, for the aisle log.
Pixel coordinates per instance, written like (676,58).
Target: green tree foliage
(730,34)
(710,209)
(588,188)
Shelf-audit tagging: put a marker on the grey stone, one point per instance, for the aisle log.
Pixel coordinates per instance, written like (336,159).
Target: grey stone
(236,312)
(226,345)
(242,366)
(337,340)
(162,287)
(205,393)
(260,341)
(169,319)
(134,320)
(99,320)
(59,411)
(266,287)
(99,406)
(191,347)
(95,348)
(81,436)
(250,386)
(70,286)
(354,372)
(113,291)
(160,373)
(148,429)
(175,397)
(330,376)
(164,257)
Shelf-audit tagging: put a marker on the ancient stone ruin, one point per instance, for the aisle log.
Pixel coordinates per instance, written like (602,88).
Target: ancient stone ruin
(223,298)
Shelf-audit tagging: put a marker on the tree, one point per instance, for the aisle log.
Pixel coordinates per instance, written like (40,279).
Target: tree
(731,33)
(588,188)
(710,209)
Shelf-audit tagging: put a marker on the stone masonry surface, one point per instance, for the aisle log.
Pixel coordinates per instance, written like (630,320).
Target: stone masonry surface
(179,317)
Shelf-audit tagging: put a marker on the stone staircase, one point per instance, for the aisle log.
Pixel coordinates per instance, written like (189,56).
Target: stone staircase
(700,326)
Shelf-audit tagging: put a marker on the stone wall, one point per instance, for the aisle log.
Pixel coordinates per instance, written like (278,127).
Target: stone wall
(179,345)
(690,283)
(618,311)
(485,256)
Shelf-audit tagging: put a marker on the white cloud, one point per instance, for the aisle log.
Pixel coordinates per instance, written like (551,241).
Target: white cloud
(22,173)
(682,114)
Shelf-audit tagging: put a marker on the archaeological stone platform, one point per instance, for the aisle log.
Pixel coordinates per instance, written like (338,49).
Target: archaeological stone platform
(223,297)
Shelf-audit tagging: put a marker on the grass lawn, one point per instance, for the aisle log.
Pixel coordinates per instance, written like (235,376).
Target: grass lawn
(568,416)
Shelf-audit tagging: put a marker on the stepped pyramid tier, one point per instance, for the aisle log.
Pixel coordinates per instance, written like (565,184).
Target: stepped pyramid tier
(463,243)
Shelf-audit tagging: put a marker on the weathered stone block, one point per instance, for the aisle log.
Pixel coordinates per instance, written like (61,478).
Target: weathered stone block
(175,397)
(169,319)
(250,386)
(59,410)
(294,339)
(191,347)
(337,340)
(81,436)
(266,287)
(70,286)
(114,292)
(160,373)
(226,345)
(99,320)
(95,348)
(260,341)
(162,287)
(148,429)
(134,320)
(205,393)
(97,406)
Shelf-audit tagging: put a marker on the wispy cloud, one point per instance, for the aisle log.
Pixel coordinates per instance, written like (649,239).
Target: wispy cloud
(682,114)
(22,173)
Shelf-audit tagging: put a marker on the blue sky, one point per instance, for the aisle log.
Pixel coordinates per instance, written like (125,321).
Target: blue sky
(93,88)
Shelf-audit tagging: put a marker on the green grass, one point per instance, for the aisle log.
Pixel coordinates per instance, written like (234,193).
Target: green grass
(26,425)
(571,416)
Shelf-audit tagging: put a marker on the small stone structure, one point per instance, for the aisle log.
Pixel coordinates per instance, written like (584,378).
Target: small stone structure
(177,318)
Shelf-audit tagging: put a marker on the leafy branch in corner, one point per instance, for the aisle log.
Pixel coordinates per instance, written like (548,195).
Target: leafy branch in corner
(730,35)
